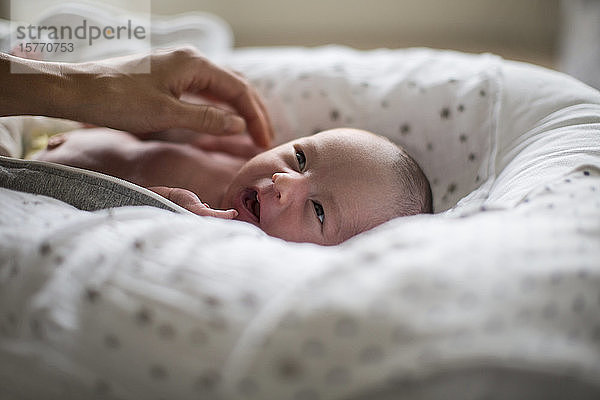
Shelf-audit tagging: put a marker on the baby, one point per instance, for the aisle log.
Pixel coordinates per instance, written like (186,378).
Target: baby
(323,188)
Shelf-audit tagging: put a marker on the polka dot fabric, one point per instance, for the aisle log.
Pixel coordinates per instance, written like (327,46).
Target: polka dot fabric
(415,320)
(142,316)
(160,306)
(497,297)
(440,106)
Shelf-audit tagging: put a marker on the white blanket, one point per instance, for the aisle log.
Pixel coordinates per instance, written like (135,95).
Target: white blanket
(138,302)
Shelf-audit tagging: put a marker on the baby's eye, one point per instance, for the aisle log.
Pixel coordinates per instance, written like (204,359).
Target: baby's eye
(301,159)
(319,211)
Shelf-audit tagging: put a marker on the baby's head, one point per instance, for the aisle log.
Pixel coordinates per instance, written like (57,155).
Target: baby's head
(328,187)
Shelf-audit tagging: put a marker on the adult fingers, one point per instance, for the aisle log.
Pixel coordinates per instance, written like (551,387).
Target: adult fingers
(208,119)
(205,77)
(260,102)
(262,106)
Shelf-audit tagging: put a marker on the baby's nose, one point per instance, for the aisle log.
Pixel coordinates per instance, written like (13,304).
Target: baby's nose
(289,187)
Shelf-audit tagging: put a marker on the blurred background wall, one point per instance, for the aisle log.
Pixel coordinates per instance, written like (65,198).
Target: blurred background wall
(518,28)
(526,30)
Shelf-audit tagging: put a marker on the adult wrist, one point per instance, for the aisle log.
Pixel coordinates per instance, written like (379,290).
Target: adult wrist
(37,88)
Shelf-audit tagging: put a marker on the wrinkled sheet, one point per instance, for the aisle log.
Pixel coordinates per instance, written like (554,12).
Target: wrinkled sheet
(139,302)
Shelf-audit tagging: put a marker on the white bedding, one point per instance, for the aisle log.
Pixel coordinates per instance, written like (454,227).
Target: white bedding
(496,296)
(141,303)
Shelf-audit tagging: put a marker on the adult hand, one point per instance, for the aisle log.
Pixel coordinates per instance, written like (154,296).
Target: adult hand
(101,93)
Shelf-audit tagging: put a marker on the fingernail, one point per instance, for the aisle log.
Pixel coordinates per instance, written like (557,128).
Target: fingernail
(234,124)
(267,144)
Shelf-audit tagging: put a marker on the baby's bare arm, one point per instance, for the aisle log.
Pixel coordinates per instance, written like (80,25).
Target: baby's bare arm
(145,162)
(99,149)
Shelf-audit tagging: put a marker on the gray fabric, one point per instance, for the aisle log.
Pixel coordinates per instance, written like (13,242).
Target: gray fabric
(489,382)
(83,189)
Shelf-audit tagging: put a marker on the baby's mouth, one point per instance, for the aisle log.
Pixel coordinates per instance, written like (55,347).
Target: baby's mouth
(252,203)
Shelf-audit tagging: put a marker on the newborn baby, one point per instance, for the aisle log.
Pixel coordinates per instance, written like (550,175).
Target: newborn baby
(323,188)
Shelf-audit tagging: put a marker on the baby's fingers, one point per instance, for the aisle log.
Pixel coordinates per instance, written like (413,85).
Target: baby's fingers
(190,201)
(209,212)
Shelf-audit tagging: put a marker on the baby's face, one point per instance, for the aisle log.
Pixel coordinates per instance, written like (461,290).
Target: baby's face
(323,188)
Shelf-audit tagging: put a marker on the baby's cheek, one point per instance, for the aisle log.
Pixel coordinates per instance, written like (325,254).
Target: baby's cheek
(289,229)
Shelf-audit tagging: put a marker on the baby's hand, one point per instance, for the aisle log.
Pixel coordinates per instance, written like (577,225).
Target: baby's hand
(191,202)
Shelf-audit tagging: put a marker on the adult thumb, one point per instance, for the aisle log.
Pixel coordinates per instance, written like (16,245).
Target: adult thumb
(209,119)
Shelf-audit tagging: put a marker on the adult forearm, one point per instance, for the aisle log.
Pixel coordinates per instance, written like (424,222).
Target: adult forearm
(36,88)
(137,93)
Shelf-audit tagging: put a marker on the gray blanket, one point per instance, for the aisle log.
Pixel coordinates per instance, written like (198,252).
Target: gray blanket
(83,189)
